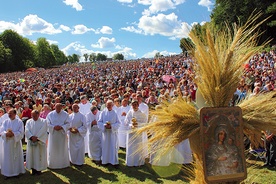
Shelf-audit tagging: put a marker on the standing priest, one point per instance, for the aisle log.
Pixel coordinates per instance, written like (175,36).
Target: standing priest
(12,131)
(76,134)
(36,137)
(57,150)
(109,124)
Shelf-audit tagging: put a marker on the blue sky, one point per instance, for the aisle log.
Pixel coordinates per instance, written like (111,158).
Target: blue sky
(135,28)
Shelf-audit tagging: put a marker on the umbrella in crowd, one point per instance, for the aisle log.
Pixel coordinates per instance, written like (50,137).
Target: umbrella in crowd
(21,80)
(31,70)
(168,78)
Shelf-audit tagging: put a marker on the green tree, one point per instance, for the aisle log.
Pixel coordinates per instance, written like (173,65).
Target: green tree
(86,56)
(60,57)
(5,57)
(118,56)
(70,59)
(74,58)
(45,56)
(21,49)
(236,11)
(101,57)
(157,55)
(92,57)
(186,45)
(272,10)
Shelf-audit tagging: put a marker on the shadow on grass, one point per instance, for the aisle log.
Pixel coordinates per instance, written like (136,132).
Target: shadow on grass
(86,174)
(27,178)
(155,174)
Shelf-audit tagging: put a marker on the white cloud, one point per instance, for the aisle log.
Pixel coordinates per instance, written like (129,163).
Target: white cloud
(81,29)
(165,25)
(52,42)
(125,1)
(8,25)
(132,29)
(74,3)
(152,53)
(104,42)
(206,3)
(29,25)
(159,5)
(104,30)
(144,2)
(126,51)
(78,48)
(64,28)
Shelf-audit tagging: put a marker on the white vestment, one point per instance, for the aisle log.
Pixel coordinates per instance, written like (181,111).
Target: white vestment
(85,109)
(95,137)
(159,156)
(12,160)
(1,149)
(122,131)
(182,153)
(2,119)
(145,109)
(136,145)
(76,140)
(57,150)
(109,136)
(36,157)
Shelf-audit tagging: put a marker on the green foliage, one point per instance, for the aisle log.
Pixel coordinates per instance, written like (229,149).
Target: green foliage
(5,57)
(186,44)
(86,56)
(236,11)
(92,57)
(74,58)
(157,55)
(60,57)
(101,57)
(20,48)
(18,53)
(45,55)
(118,56)
(272,10)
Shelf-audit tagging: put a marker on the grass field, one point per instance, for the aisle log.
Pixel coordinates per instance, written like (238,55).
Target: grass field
(91,173)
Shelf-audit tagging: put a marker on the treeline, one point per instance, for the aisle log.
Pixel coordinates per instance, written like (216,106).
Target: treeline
(226,13)
(18,53)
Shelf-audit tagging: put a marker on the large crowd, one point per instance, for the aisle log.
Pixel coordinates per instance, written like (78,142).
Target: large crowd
(68,111)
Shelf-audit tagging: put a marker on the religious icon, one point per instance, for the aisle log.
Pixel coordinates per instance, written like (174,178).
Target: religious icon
(222,142)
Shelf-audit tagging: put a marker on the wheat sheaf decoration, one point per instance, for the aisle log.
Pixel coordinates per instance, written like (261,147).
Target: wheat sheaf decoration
(219,58)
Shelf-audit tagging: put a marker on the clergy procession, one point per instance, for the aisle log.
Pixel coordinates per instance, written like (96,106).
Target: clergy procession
(61,139)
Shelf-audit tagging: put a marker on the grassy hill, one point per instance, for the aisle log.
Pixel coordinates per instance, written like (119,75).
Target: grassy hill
(92,173)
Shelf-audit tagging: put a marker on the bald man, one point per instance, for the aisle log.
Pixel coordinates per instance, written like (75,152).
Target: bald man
(57,150)
(109,124)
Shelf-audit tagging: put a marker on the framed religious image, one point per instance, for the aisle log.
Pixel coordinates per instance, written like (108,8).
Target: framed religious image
(222,143)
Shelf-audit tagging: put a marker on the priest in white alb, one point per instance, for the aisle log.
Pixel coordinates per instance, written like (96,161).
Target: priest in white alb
(95,135)
(136,145)
(36,137)
(109,124)
(122,131)
(76,134)
(85,106)
(12,132)
(57,150)
(182,153)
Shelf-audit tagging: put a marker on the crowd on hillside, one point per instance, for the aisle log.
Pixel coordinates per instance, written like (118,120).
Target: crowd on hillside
(121,79)
(79,98)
